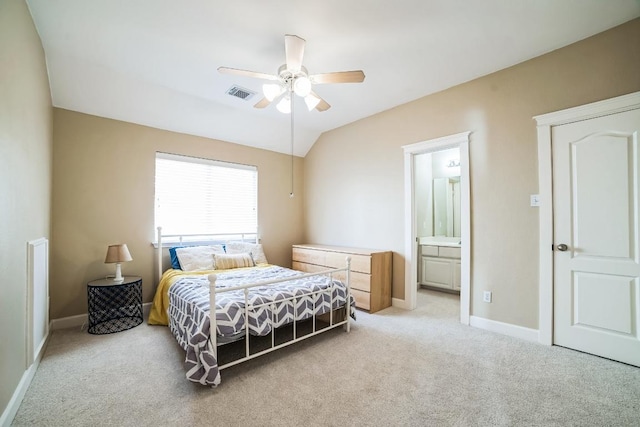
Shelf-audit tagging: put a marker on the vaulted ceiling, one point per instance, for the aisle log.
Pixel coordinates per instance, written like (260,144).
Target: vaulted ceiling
(154,62)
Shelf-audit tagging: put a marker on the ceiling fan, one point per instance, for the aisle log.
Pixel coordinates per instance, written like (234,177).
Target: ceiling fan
(293,78)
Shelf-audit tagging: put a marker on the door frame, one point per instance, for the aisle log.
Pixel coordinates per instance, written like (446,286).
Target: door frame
(460,140)
(545,122)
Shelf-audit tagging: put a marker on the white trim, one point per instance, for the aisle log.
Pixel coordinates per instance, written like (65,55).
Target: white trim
(545,183)
(465,232)
(203,161)
(460,140)
(615,105)
(545,237)
(81,320)
(69,322)
(515,331)
(400,303)
(11,410)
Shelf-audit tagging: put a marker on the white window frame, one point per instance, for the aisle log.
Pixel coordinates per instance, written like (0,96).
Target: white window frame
(171,235)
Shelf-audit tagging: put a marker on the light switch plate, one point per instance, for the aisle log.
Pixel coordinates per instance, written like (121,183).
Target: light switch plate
(535,200)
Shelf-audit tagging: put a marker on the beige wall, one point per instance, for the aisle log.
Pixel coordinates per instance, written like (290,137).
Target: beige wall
(359,167)
(25,177)
(103,193)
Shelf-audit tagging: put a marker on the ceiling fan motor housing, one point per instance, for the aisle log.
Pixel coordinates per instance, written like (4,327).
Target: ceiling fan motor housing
(298,82)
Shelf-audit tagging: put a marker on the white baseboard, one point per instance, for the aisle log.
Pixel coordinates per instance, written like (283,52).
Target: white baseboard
(400,303)
(14,404)
(516,331)
(69,322)
(146,308)
(81,319)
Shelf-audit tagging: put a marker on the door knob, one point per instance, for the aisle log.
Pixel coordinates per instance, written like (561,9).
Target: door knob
(562,247)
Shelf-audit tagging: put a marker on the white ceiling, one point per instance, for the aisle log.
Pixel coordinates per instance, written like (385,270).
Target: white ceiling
(154,62)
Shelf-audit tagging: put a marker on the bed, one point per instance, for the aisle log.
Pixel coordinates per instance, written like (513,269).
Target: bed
(258,307)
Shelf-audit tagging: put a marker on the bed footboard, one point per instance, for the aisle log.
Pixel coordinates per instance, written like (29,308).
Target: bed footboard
(248,306)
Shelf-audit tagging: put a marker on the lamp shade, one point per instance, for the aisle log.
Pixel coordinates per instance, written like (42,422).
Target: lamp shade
(117,254)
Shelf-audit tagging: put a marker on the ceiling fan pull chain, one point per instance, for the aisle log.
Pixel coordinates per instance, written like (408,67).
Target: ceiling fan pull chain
(291,100)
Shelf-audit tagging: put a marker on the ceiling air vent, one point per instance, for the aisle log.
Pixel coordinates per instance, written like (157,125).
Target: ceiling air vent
(240,92)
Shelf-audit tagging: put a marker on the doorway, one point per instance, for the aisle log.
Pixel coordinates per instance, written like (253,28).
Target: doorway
(460,141)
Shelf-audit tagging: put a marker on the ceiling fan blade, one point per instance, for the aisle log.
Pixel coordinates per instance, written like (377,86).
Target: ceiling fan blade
(338,77)
(246,73)
(264,102)
(322,105)
(294,52)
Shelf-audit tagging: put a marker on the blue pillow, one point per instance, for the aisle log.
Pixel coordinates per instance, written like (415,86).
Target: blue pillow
(175,262)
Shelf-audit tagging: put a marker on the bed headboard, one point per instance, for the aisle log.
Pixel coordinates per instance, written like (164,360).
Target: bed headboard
(167,240)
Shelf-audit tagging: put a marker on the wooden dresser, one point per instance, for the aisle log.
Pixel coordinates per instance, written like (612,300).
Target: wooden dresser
(370,271)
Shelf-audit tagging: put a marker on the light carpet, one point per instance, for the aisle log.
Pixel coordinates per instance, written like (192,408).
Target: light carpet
(395,368)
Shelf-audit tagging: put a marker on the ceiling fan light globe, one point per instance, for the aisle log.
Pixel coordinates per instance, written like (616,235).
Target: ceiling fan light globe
(284,106)
(311,101)
(302,86)
(272,90)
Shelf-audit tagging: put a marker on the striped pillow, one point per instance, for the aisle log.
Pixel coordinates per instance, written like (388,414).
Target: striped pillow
(255,249)
(227,261)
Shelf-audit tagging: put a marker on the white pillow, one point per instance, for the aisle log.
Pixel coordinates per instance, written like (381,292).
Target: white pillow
(255,249)
(195,258)
(227,261)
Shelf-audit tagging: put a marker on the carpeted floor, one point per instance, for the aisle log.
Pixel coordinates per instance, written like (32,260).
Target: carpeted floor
(395,368)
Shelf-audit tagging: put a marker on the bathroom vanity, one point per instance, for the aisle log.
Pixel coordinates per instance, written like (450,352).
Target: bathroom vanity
(440,262)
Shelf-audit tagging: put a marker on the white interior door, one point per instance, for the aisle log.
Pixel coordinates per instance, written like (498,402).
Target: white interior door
(596,237)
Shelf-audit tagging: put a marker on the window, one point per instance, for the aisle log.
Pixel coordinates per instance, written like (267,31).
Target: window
(197,196)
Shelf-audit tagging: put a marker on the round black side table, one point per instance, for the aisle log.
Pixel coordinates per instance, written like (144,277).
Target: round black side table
(114,307)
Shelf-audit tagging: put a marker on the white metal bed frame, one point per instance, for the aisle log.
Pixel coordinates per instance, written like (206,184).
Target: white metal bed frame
(346,322)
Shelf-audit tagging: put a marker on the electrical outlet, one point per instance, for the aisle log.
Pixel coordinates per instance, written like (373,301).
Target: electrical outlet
(486,296)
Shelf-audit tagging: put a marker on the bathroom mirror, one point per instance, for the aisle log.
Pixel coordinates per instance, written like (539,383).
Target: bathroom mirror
(446,206)
(437,193)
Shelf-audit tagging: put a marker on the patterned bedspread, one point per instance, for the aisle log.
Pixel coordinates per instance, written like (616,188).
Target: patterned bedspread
(189,310)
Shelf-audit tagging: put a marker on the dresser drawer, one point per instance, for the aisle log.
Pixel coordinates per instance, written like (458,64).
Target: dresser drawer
(363,299)
(358,281)
(307,268)
(309,256)
(359,263)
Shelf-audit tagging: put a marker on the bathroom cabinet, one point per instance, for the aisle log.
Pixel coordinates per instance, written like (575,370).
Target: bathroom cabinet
(440,267)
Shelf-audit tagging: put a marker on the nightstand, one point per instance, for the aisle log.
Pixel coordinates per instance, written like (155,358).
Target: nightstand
(114,307)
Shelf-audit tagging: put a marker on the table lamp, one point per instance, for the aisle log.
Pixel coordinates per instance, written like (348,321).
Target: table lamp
(117,254)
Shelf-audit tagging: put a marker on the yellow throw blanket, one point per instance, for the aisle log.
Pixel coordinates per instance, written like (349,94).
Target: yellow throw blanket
(160,307)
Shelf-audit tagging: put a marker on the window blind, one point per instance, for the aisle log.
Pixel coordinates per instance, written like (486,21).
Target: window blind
(201,196)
